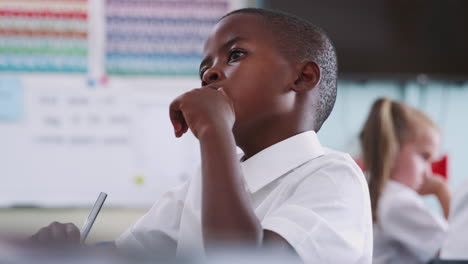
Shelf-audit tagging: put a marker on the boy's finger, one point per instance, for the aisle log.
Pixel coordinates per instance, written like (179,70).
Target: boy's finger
(43,235)
(176,124)
(58,233)
(179,124)
(34,238)
(174,109)
(221,90)
(185,129)
(176,116)
(209,87)
(73,234)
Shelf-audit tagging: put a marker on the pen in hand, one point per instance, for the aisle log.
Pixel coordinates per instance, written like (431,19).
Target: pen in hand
(92,217)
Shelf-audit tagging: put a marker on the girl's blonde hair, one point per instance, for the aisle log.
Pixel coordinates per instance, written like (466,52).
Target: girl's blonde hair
(389,125)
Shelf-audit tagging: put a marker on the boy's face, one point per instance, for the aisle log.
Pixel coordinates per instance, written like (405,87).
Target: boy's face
(241,57)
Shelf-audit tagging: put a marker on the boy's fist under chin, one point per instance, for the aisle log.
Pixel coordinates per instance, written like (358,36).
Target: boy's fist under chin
(57,234)
(202,109)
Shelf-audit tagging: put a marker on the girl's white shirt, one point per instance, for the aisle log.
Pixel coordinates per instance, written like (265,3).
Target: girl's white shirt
(406,231)
(456,244)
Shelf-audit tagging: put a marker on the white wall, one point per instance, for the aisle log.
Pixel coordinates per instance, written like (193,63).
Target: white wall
(445,103)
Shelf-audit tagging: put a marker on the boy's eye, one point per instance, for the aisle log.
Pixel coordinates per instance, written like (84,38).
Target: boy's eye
(235,54)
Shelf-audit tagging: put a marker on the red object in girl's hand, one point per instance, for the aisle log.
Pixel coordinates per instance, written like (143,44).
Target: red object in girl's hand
(440,167)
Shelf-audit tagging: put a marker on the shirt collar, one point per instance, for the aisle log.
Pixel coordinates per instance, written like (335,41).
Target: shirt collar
(280,158)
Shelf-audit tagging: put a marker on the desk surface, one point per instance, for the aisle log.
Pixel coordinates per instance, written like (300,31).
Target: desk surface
(110,223)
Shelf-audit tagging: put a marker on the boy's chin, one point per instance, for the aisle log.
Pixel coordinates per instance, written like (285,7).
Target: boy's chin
(238,131)
(235,129)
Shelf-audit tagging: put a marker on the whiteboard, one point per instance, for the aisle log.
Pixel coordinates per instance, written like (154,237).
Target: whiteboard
(66,141)
(74,118)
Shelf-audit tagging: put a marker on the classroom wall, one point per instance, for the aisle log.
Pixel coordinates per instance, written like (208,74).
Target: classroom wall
(445,102)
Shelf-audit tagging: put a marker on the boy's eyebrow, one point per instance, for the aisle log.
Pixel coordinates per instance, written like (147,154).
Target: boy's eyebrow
(232,41)
(224,46)
(203,62)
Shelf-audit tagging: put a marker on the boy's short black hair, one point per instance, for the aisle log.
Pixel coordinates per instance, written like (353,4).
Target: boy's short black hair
(303,41)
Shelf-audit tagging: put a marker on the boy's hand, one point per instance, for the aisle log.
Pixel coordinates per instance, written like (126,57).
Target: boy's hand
(201,109)
(58,234)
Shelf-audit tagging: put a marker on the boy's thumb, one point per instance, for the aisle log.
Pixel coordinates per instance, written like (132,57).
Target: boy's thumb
(221,90)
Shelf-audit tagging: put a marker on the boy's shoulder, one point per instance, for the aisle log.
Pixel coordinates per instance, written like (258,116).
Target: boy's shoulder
(340,160)
(333,167)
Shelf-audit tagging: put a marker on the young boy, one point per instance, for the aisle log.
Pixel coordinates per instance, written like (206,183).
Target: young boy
(268,84)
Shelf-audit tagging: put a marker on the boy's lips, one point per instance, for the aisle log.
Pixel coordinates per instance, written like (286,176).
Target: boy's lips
(215,87)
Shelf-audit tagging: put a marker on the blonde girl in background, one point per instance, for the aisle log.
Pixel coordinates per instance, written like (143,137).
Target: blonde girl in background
(399,143)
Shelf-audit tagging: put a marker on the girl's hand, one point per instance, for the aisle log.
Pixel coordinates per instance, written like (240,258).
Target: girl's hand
(436,185)
(432,184)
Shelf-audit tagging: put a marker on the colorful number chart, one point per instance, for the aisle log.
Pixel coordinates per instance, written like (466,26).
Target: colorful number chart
(44,36)
(158,37)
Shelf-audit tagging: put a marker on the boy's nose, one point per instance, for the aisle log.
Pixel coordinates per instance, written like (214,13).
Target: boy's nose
(211,75)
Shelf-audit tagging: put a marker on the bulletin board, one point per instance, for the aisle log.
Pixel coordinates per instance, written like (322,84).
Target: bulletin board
(85,87)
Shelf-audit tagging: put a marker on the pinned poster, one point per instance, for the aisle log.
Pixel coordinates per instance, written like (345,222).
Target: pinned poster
(43,36)
(11,101)
(158,37)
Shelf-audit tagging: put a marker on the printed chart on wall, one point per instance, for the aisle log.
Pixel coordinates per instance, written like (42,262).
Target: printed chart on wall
(158,37)
(43,36)
(67,134)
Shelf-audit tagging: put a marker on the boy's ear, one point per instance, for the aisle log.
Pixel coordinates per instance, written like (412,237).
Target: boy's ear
(308,77)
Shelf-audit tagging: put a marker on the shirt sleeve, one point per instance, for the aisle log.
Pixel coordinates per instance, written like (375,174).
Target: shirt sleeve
(455,245)
(157,230)
(327,217)
(405,219)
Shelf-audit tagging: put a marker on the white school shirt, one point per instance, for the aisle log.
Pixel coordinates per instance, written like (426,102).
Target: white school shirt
(406,231)
(456,244)
(315,198)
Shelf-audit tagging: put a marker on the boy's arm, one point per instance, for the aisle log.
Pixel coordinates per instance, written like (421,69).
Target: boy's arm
(226,211)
